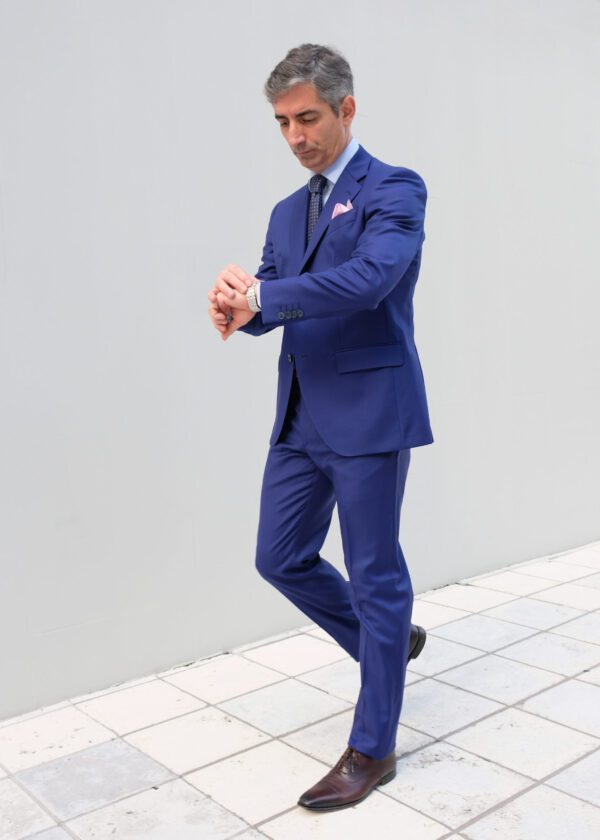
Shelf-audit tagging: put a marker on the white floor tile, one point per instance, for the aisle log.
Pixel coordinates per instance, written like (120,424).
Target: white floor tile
(510,636)
(327,739)
(49,736)
(514,583)
(296,655)
(173,811)
(500,679)
(592,580)
(572,595)
(377,816)
(555,571)
(223,677)
(581,779)
(280,708)
(539,813)
(141,706)
(43,710)
(531,613)
(586,628)
(195,739)
(588,557)
(436,709)
(319,633)
(440,654)
(451,785)
(470,598)
(574,703)
(51,834)
(20,815)
(261,782)
(483,632)
(559,654)
(592,675)
(524,743)
(91,778)
(430,615)
(342,679)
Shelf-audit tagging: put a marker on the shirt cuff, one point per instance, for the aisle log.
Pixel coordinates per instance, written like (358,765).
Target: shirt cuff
(257,290)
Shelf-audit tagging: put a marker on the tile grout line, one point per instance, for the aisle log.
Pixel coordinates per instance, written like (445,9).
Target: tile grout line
(524,791)
(271,738)
(297,677)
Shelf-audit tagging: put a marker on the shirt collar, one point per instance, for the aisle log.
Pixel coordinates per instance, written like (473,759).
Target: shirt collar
(335,169)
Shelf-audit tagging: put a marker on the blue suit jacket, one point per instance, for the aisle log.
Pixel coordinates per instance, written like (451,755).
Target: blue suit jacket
(345,305)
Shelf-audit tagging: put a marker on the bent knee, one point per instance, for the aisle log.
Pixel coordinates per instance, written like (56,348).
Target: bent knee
(266,562)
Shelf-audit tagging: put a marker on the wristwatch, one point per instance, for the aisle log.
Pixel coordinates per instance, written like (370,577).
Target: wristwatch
(251,297)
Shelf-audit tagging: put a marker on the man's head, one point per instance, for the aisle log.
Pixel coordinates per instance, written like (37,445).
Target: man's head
(311,91)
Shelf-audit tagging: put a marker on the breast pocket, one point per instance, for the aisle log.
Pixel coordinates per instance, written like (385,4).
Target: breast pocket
(340,221)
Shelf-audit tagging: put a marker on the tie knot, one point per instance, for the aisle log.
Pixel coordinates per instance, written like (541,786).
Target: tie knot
(317,183)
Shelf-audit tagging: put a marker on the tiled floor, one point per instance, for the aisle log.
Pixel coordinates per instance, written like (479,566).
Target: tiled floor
(499,736)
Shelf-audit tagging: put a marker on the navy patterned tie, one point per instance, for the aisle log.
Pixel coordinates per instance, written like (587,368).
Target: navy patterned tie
(316,186)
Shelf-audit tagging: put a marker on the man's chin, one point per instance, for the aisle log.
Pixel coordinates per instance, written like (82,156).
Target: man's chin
(306,160)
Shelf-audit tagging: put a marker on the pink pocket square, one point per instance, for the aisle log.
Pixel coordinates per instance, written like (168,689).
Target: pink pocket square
(341,208)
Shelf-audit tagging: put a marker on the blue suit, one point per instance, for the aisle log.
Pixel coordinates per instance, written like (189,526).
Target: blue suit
(351,403)
(345,303)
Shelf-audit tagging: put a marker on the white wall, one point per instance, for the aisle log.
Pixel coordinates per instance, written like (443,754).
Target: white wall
(138,156)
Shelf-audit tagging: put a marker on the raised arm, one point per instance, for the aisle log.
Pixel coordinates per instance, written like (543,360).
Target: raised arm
(393,233)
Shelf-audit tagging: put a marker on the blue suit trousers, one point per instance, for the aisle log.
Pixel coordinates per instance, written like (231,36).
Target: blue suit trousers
(369,614)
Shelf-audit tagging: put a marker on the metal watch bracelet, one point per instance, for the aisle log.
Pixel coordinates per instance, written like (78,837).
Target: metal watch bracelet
(251,297)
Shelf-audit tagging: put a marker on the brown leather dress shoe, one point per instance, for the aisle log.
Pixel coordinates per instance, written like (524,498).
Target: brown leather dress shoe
(417,640)
(350,781)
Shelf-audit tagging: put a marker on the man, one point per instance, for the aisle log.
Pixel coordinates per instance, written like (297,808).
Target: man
(338,272)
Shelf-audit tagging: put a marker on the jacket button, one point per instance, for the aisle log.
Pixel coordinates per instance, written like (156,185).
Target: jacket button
(281,315)
(288,315)
(294,313)
(300,313)
(289,355)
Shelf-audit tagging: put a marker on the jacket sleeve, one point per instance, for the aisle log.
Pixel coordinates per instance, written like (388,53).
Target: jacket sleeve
(393,233)
(267,271)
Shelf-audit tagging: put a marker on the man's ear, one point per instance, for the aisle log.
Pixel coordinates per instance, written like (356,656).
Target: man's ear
(348,107)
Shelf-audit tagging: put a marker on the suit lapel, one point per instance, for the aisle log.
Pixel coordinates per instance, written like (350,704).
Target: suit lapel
(346,187)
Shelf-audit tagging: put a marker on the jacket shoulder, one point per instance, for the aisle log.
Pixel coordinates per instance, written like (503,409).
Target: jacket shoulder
(379,171)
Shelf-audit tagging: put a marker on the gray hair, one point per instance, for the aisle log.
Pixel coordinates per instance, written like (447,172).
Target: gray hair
(323,67)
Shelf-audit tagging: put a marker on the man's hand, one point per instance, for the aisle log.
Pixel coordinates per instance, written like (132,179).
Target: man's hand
(228,298)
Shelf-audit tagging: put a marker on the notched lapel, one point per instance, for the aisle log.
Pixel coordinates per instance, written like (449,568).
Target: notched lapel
(347,187)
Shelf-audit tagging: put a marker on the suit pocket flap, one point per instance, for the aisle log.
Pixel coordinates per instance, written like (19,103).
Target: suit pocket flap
(360,358)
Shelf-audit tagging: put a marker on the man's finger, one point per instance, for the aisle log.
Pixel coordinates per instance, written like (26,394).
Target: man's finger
(239,272)
(232,280)
(229,297)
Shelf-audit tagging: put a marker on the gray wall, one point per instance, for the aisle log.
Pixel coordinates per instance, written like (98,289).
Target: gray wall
(138,156)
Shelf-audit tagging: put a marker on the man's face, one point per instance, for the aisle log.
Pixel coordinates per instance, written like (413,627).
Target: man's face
(313,132)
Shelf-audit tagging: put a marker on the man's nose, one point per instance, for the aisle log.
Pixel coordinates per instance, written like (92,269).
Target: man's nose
(296,136)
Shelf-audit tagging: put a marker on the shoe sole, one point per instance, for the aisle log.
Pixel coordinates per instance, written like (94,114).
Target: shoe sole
(383,781)
(419,644)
